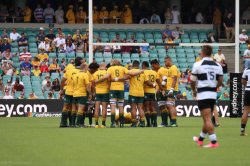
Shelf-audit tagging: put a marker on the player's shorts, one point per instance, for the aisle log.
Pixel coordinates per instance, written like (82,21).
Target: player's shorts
(160,97)
(246,98)
(135,99)
(149,97)
(102,97)
(81,100)
(173,96)
(68,99)
(116,94)
(206,103)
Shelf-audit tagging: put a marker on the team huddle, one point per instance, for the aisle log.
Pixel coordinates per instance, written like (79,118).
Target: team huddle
(89,88)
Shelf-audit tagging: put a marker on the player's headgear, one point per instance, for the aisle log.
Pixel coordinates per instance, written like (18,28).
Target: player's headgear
(78,61)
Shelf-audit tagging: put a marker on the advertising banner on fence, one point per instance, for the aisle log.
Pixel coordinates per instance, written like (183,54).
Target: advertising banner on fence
(236,95)
(24,108)
(52,108)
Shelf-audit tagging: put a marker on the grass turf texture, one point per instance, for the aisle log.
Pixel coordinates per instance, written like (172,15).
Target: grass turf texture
(39,141)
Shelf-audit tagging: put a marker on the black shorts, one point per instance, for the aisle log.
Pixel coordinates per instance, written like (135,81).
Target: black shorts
(247,98)
(206,103)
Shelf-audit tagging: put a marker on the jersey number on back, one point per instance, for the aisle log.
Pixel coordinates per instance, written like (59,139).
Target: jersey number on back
(117,73)
(211,75)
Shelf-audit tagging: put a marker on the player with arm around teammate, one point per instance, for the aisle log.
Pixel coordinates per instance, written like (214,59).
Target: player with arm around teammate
(149,95)
(206,77)
(101,95)
(117,75)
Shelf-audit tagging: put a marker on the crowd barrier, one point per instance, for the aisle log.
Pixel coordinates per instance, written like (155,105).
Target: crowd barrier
(52,108)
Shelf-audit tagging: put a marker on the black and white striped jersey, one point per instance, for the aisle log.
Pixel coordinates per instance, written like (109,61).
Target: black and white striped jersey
(206,72)
(246,76)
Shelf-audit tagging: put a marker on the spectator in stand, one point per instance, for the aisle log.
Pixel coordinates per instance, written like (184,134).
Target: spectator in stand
(69,37)
(47,87)
(38,14)
(56,85)
(114,14)
(17,87)
(26,71)
(176,34)
(127,15)
(79,45)
(62,48)
(199,18)
(107,50)
(54,67)
(117,39)
(166,33)
(44,67)
(36,71)
(246,16)
(14,36)
(168,16)
(59,15)
(220,58)
(47,78)
(70,47)
(8,87)
(211,38)
(7,55)
(27,13)
(247,56)
(77,35)
(155,18)
(7,95)
(32,96)
(50,95)
(135,49)
(144,49)
(103,15)
(42,55)
(48,14)
(25,55)
(98,48)
(229,27)
(81,15)
(95,15)
(23,41)
(51,36)
(217,21)
(243,37)
(70,15)
(144,21)
(60,32)
(45,45)
(85,39)
(5,45)
(60,41)
(176,16)
(5,35)
(132,39)
(40,36)
(25,64)
(35,62)
(183,79)
(63,64)
(5,67)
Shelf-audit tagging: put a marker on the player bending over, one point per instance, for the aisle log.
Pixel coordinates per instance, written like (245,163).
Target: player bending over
(149,95)
(172,89)
(246,82)
(208,76)
(162,73)
(101,95)
(136,94)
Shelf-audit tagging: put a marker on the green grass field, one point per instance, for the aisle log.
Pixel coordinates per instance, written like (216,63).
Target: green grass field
(39,141)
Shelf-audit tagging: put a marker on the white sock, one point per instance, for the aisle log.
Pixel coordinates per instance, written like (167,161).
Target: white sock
(213,137)
(202,135)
